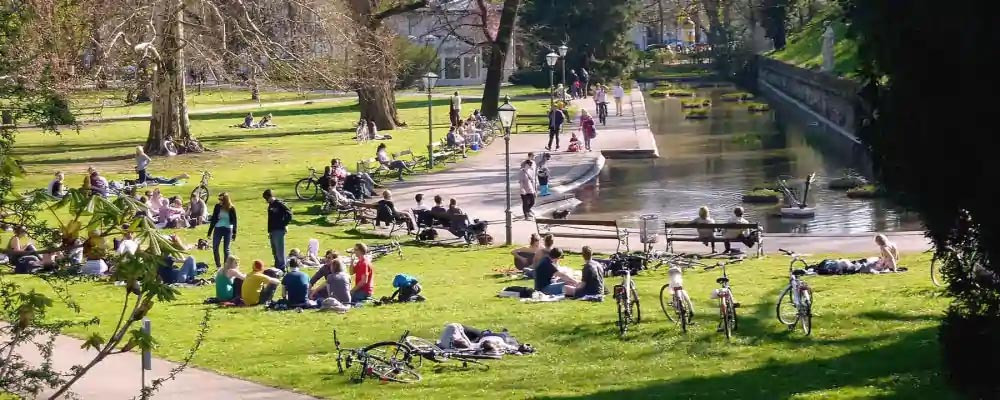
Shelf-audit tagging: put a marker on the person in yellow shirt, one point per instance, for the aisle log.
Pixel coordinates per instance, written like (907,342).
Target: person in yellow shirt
(258,288)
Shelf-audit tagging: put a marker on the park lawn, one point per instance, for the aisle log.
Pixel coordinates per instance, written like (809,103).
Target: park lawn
(208,98)
(875,335)
(805,47)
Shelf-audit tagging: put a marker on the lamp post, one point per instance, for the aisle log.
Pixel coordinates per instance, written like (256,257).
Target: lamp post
(551,60)
(429,80)
(562,54)
(507,112)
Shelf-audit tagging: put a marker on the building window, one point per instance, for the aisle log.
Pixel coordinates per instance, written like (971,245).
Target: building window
(452,68)
(471,67)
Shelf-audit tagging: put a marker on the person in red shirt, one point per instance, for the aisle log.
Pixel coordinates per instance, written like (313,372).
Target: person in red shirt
(364,277)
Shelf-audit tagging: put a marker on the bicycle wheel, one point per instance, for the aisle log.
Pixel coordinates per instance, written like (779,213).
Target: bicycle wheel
(728,317)
(805,310)
(636,311)
(936,278)
(395,372)
(490,133)
(682,314)
(390,353)
(786,311)
(666,302)
(201,192)
(622,316)
(306,189)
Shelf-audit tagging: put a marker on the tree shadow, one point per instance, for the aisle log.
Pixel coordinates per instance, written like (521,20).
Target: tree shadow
(881,315)
(906,368)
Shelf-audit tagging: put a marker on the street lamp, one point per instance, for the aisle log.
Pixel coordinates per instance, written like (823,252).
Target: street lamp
(430,79)
(562,54)
(507,112)
(551,60)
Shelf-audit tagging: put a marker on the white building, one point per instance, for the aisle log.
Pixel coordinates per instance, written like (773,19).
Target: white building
(449,26)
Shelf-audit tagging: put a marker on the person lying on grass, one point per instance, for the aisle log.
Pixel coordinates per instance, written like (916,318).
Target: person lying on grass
(305,260)
(258,288)
(547,273)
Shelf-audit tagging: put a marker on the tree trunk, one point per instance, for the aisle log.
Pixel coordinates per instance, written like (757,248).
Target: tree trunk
(659,21)
(170,115)
(498,58)
(378,103)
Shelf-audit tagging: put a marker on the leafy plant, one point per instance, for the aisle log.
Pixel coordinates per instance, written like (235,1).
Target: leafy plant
(737,96)
(696,103)
(761,196)
(754,106)
(697,113)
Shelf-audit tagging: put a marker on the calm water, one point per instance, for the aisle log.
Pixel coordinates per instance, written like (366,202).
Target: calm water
(712,162)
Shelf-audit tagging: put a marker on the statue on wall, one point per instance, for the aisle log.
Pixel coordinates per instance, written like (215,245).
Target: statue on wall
(829,40)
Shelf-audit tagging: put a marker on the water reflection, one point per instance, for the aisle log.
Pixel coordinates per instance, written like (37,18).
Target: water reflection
(712,162)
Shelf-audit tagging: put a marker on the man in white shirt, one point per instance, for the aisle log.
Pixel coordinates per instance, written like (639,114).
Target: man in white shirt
(619,95)
(742,235)
(128,244)
(455,112)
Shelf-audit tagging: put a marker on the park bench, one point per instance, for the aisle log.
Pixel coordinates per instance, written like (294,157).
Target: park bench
(444,153)
(365,213)
(96,111)
(691,234)
(373,168)
(582,229)
(411,159)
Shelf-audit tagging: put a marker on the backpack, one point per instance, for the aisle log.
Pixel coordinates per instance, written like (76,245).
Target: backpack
(408,288)
(427,234)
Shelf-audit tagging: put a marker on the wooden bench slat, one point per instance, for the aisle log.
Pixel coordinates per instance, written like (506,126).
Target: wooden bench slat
(548,221)
(693,225)
(583,235)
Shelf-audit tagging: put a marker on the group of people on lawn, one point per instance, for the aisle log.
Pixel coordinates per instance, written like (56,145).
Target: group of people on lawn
(541,262)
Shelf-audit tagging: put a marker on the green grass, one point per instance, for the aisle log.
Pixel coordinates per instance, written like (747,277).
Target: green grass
(696,113)
(756,106)
(737,96)
(761,195)
(804,48)
(875,336)
(209,98)
(674,71)
(680,93)
(696,103)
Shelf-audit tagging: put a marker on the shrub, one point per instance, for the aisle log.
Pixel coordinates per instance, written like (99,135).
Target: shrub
(415,60)
(865,192)
(737,96)
(758,107)
(697,113)
(696,103)
(658,93)
(680,93)
(535,77)
(761,196)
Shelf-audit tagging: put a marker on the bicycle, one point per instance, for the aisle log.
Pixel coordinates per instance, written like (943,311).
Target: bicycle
(798,306)
(308,188)
(201,191)
(387,361)
(427,350)
(377,251)
(602,112)
(627,300)
(678,302)
(490,130)
(727,306)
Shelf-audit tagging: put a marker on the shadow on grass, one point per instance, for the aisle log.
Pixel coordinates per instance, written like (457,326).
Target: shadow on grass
(220,138)
(284,111)
(906,368)
(891,316)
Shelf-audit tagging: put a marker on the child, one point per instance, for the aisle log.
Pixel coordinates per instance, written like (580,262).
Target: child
(574,144)
(543,175)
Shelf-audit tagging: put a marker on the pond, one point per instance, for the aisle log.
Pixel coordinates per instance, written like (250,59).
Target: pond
(711,162)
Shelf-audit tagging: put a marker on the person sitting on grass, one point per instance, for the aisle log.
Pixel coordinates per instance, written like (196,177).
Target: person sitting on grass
(154,202)
(295,286)
(888,256)
(95,249)
(128,244)
(361,131)
(21,252)
(337,282)
(592,282)
(172,213)
(305,260)
(247,121)
(524,256)
(258,288)
(98,184)
(266,121)
(382,155)
(142,162)
(386,212)
(548,272)
(704,217)
(186,274)
(197,211)
(228,281)
(364,276)
(55,188)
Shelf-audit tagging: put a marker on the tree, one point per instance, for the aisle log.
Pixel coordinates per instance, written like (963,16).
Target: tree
(910,124)
(775,20)
(596,32)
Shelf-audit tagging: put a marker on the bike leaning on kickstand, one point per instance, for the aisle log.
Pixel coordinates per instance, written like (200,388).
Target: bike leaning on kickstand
(627,301)
(796,300)
(727,304)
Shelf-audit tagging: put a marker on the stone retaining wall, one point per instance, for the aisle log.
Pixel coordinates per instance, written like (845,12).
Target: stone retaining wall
(831,98)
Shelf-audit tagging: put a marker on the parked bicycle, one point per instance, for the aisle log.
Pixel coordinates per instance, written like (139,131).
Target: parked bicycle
(386,361)
(308,188)
(201,191)
(490,129)
(727,305)
(796,300)
(380,250)
(627,299)
(427,350)
(674,300)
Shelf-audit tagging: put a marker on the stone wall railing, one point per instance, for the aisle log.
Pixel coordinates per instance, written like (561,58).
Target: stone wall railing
(829,97)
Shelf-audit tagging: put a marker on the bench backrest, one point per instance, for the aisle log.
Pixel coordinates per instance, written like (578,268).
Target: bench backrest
(366,205)
(700,225)
(584,222)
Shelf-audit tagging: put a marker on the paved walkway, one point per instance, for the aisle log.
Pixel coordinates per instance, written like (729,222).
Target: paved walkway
(118,377)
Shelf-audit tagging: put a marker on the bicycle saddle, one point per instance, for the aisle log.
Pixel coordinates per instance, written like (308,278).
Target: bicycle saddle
(799,272)
(721,280)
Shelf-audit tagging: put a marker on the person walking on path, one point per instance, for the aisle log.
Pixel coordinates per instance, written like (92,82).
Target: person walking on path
(223,224)
(571,85)
(587,127)
(455,111)
(619,95)
(556,120)
(278,217)
(585,82)
(529,188)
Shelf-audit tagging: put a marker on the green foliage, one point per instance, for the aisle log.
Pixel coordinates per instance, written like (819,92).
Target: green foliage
(755,106)
(865,192)
(805,47)
(697,113)
(679,71)
(414,61)
(761,196)
(658,92)
(957,202)
(748,140)
(680,93)
(596,32)
(696,103)
(534,77)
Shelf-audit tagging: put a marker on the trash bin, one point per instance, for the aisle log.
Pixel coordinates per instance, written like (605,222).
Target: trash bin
(6,117)
(649,225)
